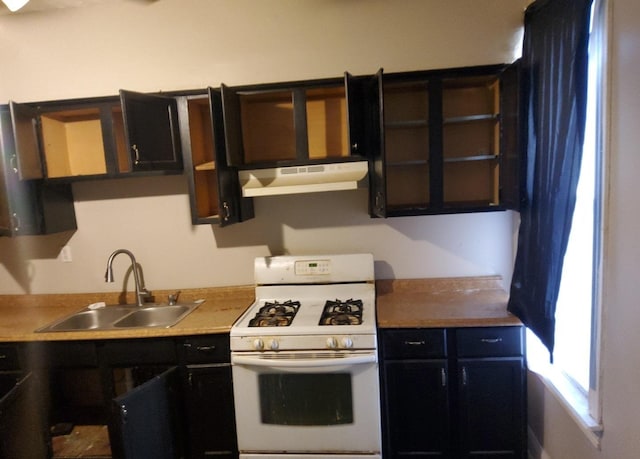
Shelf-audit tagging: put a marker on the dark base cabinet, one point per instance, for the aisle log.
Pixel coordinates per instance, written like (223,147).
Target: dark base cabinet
(454,393)
(208,397)
(154,397)
(22,434)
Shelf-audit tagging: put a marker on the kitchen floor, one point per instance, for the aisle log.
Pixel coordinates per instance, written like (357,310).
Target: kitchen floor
(88,442)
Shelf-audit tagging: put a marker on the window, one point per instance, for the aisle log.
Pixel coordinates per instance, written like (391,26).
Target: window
(574,373)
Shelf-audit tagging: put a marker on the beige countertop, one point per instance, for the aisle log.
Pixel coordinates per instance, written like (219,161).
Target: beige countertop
(444,302)
(408,303)
(22,314)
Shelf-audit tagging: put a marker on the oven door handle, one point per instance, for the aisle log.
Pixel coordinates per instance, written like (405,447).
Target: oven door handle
(303,364)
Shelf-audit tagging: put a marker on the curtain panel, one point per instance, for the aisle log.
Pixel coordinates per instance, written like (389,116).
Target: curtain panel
(554,74)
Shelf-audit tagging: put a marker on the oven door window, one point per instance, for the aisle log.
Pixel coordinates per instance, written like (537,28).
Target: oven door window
(303,399)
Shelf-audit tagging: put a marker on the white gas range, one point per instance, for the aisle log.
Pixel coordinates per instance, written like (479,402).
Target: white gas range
(304,360)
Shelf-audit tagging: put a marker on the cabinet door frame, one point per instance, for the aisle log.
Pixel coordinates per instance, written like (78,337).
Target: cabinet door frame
(501,401)
(137,432)
(141,111)
(436,203)
(435,440)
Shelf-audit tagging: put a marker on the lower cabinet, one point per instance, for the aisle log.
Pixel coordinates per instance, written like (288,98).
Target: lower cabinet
(454,393)
(22,434)
(151,397)
(208,397)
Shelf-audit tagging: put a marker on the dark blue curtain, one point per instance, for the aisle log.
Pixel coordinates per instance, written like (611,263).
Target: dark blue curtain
(554,73)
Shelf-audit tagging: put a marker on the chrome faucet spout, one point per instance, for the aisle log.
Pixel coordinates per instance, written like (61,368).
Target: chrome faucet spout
(141,291)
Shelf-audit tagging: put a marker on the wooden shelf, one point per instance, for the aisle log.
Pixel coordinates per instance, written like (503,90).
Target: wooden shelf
(409,124)
(460,159)
(471,118)
(208,166)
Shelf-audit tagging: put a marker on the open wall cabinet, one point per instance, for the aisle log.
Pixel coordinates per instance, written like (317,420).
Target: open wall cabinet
(214,190)
(97,137)
(447,141)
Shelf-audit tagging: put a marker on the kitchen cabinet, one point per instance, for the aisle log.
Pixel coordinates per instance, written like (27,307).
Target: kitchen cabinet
(286,124)
(454,393)
(23,433)
(97,137)
(214,191)
(208,390)
(449,141)
(138,390)
(29,207)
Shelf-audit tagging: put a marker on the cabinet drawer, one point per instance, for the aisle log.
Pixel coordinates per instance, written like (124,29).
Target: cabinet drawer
(138,352)
(62,354)
(420,343)
(206,349)
(9,358)
(490,341)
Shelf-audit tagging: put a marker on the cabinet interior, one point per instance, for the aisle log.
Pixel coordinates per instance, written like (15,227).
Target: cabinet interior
(73,143)
(406,141)
(465,141)
(470,140)
(271,121)
(203,157)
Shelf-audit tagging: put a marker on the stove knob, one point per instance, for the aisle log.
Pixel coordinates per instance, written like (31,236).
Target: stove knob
(274,345)
(332,343)
(347,343)
(258,344)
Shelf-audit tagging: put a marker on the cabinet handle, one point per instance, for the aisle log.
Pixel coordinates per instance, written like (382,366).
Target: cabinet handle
(415,343)
(465,377)
(443,377)
(201,348)
(3,356)
(134,147)
(354,147)
(15,221)
(14,163)
(227,211)
(491,340)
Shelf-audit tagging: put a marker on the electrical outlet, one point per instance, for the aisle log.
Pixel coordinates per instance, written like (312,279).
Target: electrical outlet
(65,254)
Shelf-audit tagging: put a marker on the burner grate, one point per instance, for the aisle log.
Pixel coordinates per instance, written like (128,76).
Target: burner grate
(275,314)
(339,312)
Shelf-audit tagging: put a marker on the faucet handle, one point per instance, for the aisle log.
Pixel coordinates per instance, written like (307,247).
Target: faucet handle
(173,298)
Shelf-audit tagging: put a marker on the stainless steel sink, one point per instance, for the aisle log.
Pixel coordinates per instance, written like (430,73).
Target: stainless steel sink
(159,316)
(122,316)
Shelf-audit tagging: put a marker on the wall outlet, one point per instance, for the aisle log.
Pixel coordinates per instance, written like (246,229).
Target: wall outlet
(65,254)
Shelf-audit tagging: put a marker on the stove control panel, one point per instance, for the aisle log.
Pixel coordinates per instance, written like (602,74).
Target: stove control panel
(267,343)
(312,267)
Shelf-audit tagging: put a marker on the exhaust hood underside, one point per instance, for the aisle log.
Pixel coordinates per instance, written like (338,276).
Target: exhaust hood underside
(302,179)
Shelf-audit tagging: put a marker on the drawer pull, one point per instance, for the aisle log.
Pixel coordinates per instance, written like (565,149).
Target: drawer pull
(3,356)
(415,343)
(491,340)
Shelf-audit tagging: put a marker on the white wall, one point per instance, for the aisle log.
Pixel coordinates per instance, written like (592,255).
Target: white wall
(187,44)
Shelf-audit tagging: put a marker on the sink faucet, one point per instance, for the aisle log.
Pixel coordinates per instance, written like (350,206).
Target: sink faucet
(141,291)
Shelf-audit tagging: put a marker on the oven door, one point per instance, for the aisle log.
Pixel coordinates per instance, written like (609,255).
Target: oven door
(307,402)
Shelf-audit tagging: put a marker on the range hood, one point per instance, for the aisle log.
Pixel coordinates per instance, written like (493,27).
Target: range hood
(302,179)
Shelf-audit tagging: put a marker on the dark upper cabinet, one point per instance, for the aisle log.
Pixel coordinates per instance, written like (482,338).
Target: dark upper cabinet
(297,123)
(444,137)
(214,190)
(151,131)
(29,207)
(100,137)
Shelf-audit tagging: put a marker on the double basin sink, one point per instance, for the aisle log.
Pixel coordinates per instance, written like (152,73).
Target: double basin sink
(117,317)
